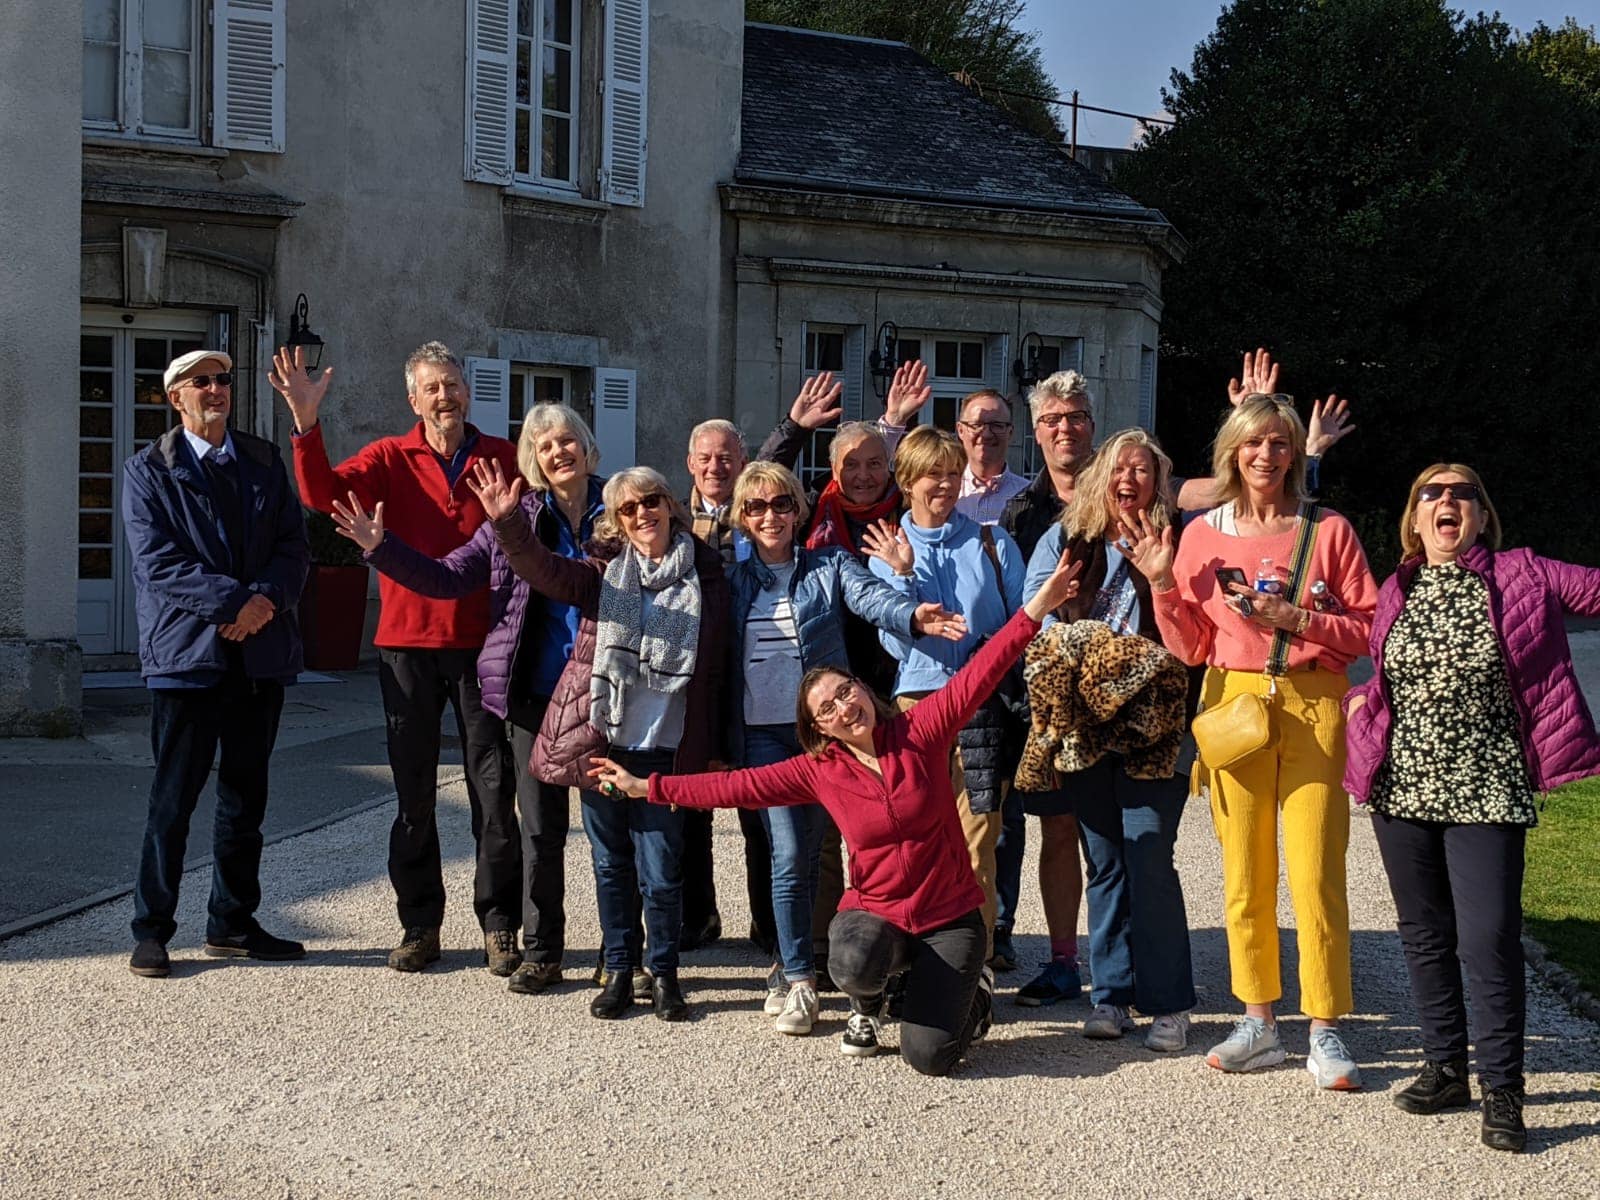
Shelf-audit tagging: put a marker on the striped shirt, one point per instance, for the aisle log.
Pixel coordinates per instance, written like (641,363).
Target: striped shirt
(985,499)
(772,653)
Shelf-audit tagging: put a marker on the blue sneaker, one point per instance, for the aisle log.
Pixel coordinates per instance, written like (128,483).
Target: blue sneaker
(1057,982)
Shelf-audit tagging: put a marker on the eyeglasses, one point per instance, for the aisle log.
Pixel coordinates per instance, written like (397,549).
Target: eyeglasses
(994,428)
(628,508)
(221,379)
(1075,420)
(829,709)
(1463,493)
(756,506)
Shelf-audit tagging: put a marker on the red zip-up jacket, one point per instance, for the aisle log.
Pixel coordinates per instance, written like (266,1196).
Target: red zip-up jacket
(908,856)
(421,507)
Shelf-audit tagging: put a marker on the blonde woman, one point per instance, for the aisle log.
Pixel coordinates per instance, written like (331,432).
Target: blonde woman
(1206,616)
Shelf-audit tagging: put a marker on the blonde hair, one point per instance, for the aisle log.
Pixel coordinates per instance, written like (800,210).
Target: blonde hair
(1091,512)
(1063,385)
(542,419)
(850,435)
(1253,414)
(775,477)
(642,481)
(924,450)
(1411,540)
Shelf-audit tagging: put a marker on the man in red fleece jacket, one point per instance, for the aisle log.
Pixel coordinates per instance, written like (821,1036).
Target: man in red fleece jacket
(428,648)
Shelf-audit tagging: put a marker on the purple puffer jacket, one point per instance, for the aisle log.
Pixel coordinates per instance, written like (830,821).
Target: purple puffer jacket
(463,571)
(1528,597)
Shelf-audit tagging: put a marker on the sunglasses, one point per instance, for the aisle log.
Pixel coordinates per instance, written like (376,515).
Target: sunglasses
(628,508)
(1076,420)
(221,379)
(829,708)
(757,507)
(1462,493)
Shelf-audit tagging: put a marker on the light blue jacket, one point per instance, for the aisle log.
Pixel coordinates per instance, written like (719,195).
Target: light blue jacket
(952,569)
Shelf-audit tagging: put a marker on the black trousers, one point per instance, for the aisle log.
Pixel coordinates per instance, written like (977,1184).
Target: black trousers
(941,1008)
(417,684)
(186,727)
(546,815)
(699,882)
(1458,892)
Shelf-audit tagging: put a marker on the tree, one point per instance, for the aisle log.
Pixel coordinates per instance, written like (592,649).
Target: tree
(1398,201)
(977,39)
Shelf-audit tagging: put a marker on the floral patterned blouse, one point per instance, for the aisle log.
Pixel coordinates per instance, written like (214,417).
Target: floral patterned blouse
(1454,753)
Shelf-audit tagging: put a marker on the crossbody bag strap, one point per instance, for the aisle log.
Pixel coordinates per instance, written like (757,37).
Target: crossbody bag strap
(1278,658)
(993,555)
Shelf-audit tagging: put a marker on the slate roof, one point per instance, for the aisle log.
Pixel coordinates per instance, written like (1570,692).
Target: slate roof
(829,113)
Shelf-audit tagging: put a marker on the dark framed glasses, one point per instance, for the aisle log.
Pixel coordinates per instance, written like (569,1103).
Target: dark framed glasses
(221,379)
(829,708)
(628,509)
(783,505)
(1462,493)
(1074,420)
(993,428)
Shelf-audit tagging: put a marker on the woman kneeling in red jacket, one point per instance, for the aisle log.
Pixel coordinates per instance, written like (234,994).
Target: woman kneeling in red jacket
(884,778)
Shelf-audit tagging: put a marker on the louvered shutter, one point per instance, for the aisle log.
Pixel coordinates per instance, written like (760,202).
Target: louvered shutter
(489,380)
(615,417)
(627,63)
(855,371)
(1147,388)
(491,72)
(997,365)
(247,75)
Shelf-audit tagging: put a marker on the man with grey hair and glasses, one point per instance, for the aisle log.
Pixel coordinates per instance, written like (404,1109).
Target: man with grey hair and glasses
(428,649)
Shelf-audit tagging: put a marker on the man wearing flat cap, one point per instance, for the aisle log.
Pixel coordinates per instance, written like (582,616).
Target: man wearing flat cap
(219,557)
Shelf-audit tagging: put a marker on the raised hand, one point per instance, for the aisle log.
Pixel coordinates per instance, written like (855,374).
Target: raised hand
(355,523)
(1057,590)
(488,483)
(1330,422)
(887,542)
(908,393)
(290,379)
(614,781)
(1258,373)
(932,621)
(1148,549)
(818,402)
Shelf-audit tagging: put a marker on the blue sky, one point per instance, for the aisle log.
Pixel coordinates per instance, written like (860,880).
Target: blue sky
(1119,53)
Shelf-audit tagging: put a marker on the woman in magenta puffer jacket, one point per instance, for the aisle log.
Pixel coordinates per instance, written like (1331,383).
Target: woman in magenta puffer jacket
(1473,711)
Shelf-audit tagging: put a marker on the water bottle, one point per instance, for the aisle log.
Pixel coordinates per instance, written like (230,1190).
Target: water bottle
(1324,601)
(1268,581)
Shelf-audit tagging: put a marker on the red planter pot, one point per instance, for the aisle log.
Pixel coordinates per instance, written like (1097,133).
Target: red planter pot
(333,616)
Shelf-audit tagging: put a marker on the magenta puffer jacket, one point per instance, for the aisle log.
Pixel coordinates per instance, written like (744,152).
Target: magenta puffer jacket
(1528,597)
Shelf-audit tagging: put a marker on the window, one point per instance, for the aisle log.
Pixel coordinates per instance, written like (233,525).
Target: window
(146,64)
(547,116)
(1055,354)
(824,352)
(538,385)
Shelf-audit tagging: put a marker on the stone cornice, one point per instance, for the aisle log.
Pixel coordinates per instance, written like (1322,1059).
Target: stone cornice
(120,193)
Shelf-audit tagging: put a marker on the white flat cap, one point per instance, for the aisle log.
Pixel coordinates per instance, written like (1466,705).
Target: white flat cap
(184,363)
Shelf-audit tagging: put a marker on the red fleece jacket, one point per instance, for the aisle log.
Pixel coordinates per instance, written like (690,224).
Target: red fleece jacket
(421,507)
(908,855)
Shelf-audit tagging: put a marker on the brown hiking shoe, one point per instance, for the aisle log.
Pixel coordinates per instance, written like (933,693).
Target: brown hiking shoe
(532,978)
(500,951)
(418,947)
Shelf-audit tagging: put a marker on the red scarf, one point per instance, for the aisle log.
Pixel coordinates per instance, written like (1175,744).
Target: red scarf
(830,525)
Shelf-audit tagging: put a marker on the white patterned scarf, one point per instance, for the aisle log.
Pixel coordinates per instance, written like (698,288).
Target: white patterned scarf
(658,652)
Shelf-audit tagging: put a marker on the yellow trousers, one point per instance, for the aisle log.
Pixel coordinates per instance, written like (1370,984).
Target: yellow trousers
(1293,784)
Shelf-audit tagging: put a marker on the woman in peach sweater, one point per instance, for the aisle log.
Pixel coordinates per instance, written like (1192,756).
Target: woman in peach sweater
(1232,627)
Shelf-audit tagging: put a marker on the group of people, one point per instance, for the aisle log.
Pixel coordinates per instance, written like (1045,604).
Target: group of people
(842,666)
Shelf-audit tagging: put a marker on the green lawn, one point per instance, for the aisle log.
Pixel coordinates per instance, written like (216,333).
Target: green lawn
(1561,892)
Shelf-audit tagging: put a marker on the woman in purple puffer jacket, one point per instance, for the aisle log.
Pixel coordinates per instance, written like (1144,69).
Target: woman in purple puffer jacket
(1473,711)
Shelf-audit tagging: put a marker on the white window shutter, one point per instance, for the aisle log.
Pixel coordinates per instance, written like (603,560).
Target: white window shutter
(491,78)
(489,381)
(616,400)
(247,74)
(855,371)
(997,365)
(1147,388)
(627,59)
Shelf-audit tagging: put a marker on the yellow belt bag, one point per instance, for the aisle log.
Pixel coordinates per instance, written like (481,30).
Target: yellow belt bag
(1237,730)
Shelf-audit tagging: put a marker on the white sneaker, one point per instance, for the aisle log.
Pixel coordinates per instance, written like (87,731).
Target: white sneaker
(860,1037)
(1330,1063)
(777,992)
(1253,1044)
(800,1009)
(1107,1021)
(1168,1033)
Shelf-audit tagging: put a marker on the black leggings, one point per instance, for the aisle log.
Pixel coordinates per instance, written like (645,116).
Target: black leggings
(942,1006)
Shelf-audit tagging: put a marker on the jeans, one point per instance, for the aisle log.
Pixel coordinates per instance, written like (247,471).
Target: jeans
(1458,892)
(942,1007)
(1138,926)
(1008,855)
(545,813)
(637,847)
(795,832)
(186,727)
(417,684)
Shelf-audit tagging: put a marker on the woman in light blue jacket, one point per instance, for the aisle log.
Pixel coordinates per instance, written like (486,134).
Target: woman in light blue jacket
(945,558)
(788,617)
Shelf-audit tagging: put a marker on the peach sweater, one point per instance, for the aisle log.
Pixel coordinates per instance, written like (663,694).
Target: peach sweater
(1199,627)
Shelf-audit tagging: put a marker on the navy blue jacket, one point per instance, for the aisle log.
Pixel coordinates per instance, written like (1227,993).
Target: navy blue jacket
(824,584)
(184,584)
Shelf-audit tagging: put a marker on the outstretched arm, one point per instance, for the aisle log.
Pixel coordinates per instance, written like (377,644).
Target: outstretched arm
(786,782)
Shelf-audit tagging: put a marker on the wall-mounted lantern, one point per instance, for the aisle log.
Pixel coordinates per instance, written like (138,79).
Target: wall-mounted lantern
(882,361)
(300,334)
